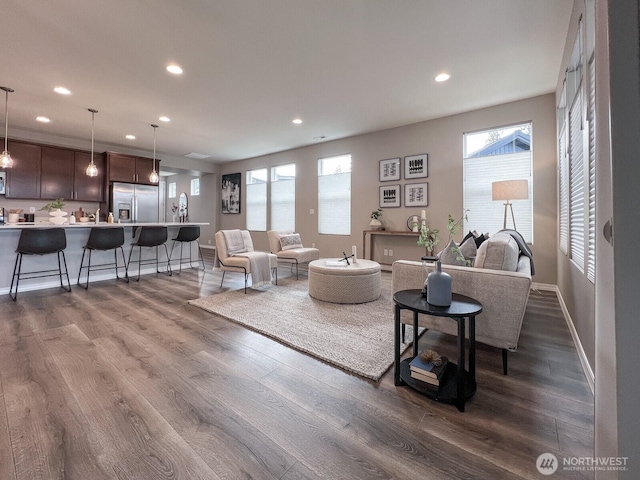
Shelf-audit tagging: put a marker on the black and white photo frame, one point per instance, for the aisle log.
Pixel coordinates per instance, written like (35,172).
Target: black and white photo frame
(230,193)
(390,169)
(416,166)
(389,196)
(416,194)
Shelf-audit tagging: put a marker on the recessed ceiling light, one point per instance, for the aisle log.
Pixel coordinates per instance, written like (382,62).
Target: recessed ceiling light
(297,121)
(175,69)
(130,137)
(62,90)
(442,77)
(42,119)
(164,119)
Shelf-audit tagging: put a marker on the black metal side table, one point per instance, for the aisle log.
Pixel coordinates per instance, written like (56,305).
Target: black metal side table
(458,385)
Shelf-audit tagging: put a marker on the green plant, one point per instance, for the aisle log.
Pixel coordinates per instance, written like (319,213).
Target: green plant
(429,238)
(376,214)
(57,203)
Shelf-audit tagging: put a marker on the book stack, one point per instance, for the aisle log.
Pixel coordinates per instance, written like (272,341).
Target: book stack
(428,372)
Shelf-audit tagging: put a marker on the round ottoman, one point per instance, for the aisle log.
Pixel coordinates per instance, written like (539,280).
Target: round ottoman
(355,283)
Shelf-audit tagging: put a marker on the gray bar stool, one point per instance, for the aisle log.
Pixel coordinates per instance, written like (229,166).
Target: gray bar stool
(40,241)
(150,237)
(187,234)
(103,239)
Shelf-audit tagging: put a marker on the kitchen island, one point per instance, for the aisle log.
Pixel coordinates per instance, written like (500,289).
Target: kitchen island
(77,236)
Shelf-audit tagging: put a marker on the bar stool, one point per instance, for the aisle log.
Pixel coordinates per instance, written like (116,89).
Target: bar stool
(103,239)
(150,237)
(40,241)
(187,234)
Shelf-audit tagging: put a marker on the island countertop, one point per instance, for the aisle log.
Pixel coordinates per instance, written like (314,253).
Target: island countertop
(46,224)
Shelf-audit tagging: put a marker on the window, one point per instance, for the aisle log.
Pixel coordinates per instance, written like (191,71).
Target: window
(172,190)
(195,186)
(283,197)
(491,156)
(257,199)
(334,195)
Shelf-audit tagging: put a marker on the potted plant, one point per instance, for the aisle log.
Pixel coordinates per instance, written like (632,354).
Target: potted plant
(56,204)
(375,222)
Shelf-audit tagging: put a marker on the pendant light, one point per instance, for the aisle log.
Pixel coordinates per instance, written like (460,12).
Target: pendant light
(153,177)
(92,169)
(5,159)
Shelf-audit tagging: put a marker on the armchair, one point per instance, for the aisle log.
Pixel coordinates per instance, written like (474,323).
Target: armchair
(287,246)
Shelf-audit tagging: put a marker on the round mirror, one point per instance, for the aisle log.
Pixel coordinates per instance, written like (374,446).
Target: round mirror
(182,207)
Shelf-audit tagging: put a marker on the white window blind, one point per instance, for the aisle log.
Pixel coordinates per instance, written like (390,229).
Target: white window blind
(591,246)
(577,183)
(195,186)
(563,173)
(485,214)
(257,199)
(172,190)
(283,197)
(334,195)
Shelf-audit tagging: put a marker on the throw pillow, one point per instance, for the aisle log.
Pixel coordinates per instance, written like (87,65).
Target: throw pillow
(467,237)
(451,255)
(288,242)
(500,252)
(469,249)
(481,238)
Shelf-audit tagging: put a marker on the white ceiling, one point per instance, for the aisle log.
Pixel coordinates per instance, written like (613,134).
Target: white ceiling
(345,67)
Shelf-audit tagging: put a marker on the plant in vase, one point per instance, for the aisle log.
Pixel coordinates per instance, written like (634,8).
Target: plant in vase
(375,222)
(56,204)
(438,283)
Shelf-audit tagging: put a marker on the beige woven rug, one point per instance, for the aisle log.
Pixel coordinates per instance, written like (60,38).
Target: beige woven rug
(357,338)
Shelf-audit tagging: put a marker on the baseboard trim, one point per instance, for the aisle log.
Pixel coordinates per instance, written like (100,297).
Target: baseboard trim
(588,371)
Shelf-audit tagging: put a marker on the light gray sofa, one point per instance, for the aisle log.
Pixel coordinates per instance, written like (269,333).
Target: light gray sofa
(503,294)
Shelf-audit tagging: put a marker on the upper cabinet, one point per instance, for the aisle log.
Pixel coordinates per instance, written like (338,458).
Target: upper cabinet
(23,179)
(87,188)
(129,168)
(64,175)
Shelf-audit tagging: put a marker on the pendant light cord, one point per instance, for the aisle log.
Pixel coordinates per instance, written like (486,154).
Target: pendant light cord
(6,117)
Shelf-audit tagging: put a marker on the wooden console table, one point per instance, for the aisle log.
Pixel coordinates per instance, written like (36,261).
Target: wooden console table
(371,233)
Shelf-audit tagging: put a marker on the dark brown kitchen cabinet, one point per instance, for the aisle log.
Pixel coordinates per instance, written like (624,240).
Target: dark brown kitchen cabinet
(23,179)
(88,189)
(64,175)
(129,168)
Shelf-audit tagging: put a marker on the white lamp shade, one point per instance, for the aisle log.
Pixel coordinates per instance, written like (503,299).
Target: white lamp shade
(510,190)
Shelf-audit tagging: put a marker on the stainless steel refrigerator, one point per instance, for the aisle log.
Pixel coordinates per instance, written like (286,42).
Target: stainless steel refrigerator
(133,203)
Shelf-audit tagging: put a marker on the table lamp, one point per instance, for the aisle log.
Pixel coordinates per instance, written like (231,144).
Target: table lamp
(508,190)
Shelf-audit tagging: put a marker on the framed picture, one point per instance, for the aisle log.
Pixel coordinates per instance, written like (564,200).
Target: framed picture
(416,195)
(230,191)
(390,169)
(3,182)
(390,196)
(415,166)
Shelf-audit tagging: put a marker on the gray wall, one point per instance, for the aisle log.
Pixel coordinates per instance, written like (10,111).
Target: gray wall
(442,140)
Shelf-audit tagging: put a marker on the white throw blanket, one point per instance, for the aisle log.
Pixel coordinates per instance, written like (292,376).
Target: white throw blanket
(259,267)
(235,242)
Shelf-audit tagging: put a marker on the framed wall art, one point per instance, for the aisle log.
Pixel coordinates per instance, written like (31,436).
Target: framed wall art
(230,191)
(389,196)
(416,166)
(2,182)
(390,169)
(416,195)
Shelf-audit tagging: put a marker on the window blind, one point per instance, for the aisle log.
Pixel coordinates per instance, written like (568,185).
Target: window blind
(563,175)
(283,198)
(591,246)
(334,195)
(257,199)
(577,184)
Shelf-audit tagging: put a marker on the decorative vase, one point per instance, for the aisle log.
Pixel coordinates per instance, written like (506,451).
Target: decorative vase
(439,287)
(375,224)
(58,217)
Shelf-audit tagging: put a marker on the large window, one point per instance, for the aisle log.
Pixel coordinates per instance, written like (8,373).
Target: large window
(257,199)
(195,187)
(283,197)
(491,156)
(334,195)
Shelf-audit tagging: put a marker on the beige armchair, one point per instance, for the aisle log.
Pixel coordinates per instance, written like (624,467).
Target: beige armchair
(287,246)
(242,258)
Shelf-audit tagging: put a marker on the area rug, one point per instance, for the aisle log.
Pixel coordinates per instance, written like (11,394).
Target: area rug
(357,338)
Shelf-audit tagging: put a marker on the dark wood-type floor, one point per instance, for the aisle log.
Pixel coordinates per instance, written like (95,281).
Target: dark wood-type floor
(127,381)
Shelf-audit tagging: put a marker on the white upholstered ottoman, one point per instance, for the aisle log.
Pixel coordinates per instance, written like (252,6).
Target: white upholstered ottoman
(355,283)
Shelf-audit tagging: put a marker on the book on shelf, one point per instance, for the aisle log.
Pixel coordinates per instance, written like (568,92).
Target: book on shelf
(424,378)
(428,369)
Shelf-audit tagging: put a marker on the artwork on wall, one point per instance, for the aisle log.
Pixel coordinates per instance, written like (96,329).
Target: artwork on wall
(415,166)
(2,183)
(389,196)
(415,195)
(390,169)
(230,191)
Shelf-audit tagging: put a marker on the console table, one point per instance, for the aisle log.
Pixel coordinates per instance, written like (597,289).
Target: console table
(368,234)
(458,385)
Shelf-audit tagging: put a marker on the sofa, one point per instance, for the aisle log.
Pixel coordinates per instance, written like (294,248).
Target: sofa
(502,286)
